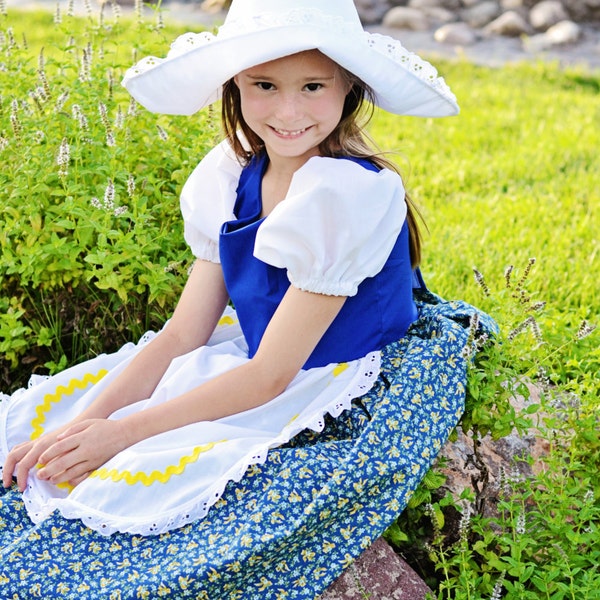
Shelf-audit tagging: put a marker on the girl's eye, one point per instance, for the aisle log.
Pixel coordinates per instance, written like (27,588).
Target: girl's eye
(313,87)
(265,85)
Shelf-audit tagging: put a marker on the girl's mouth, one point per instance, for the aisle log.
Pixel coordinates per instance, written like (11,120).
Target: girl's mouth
(289,134)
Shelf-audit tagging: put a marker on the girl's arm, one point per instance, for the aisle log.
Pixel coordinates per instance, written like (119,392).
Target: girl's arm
(198,311)
(295,329)
(196,315)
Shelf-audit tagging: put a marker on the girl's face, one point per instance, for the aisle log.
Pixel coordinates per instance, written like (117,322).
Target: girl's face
(293,104)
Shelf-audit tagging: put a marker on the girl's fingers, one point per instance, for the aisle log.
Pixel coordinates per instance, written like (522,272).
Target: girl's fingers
(61,471)
(59,448)
(25,464)
(77,480)
(13,458)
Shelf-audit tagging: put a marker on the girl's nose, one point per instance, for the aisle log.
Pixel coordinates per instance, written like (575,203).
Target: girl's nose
(289,107)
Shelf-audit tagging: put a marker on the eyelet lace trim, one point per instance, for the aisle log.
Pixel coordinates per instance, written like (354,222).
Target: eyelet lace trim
(198,508)
(425,71)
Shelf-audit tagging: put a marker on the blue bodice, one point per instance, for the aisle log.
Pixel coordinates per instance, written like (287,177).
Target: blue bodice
(377,315)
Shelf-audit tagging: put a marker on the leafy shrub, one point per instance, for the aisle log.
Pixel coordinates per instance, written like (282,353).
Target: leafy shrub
(92,247)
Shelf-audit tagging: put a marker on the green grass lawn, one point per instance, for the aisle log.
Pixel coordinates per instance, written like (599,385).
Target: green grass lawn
(515,176)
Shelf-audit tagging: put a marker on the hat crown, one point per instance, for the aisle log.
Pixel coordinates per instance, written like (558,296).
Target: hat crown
(242,10)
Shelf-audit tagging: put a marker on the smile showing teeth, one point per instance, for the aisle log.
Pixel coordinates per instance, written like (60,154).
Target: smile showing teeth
(289,133)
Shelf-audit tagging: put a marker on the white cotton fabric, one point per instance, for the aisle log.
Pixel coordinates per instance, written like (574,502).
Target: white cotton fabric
(172,479)
(207,200)
(336,226)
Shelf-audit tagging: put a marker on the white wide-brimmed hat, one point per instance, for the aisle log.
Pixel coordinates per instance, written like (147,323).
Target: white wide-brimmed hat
(257,31)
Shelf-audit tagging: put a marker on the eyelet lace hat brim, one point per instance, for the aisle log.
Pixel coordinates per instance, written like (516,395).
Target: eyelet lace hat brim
(257,31)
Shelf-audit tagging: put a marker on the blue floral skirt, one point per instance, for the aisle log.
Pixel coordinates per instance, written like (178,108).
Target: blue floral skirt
(291,525)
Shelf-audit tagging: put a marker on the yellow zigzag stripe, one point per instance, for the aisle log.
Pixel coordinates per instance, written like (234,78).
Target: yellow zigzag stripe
(160,476)
(340,369)
(227,321)
(42,409)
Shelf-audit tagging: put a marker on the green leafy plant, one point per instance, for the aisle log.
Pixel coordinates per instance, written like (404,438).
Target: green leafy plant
(92,252)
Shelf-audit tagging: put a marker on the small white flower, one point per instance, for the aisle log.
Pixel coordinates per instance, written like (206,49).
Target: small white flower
(162,134)
(63,158)
(520,527)
(109,196)
(130,185)
(60,102)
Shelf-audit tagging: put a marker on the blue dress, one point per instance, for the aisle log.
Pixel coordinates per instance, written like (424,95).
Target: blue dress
(291,522)
(256,288)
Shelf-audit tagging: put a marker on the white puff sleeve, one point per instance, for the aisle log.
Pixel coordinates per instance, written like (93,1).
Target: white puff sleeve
(337,226)
(207,200)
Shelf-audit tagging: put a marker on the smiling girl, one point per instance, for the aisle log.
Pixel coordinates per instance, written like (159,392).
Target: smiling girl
(313,408)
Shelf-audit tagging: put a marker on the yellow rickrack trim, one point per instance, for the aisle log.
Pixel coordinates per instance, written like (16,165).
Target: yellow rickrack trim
(340,369)
(61,391)
(227,321)
(160,476)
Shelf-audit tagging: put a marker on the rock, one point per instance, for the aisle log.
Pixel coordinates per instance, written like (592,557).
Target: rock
(433,11)
(512,5)
(483,468)
(561,34)
(371,11)
(565,32)
(469,3)
(482,13)
(438,14)
(404,17)
(421,4)
(547,13)
(510,24)
(457,34)
(378,574)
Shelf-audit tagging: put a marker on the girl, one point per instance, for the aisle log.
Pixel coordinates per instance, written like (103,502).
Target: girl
(220,432)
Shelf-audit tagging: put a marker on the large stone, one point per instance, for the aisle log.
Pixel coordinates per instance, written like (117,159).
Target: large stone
(439,15)
(561,34)
(481,14)
(457,34)
(405,17)
(481,465)
(434,10)
(512,5)
(470,3)
(378,574)
(371,11)
(564,32)
(510,24)
(421,4)
(546,14)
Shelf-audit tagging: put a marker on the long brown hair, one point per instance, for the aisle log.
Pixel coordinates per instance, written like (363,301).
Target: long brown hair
(348,139)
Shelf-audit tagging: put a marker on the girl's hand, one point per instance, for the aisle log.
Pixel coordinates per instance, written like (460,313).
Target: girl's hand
(68,454)
(81,449)
(23,457)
